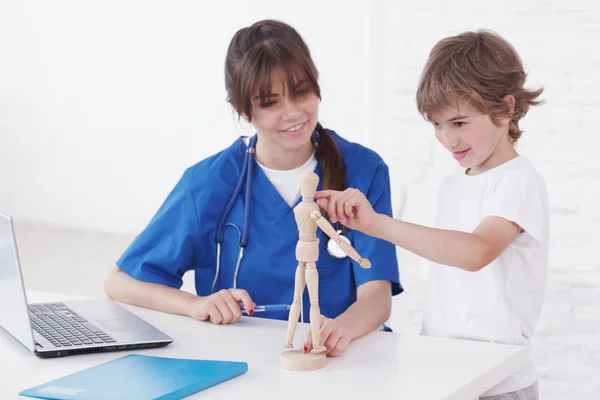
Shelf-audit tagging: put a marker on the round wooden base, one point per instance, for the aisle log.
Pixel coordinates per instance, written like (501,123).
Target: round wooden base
(298,361)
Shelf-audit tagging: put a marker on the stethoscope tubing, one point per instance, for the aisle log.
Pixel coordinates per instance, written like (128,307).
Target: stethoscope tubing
(247,170)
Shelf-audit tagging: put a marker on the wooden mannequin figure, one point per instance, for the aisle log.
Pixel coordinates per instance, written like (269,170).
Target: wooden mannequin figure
(308,218)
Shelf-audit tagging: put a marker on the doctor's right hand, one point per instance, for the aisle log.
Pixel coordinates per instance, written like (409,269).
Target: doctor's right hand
(222,307)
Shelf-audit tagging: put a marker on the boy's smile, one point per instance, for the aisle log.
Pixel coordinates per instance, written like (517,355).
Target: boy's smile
(459,155)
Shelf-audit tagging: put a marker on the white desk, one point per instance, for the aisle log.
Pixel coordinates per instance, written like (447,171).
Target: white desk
(380,365)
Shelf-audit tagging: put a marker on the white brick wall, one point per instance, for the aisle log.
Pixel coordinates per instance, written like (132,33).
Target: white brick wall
(559,43)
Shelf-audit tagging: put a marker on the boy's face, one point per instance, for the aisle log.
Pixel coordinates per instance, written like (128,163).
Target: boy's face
(474,140)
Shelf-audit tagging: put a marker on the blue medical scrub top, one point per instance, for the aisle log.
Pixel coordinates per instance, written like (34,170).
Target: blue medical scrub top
(181,236)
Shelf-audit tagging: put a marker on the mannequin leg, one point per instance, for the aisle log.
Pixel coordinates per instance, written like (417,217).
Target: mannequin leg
(312,281)
(295,309)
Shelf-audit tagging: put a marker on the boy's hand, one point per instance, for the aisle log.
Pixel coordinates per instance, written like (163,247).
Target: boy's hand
(350,207)
(333,336)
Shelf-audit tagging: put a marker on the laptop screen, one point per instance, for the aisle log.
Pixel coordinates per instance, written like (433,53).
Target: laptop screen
(14,314)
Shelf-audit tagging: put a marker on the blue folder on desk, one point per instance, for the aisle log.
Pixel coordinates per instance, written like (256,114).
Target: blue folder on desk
(140,377)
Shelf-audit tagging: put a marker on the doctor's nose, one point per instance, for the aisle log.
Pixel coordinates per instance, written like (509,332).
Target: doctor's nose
(291,111)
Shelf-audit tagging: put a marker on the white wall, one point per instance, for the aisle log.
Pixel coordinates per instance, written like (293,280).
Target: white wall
(104,104)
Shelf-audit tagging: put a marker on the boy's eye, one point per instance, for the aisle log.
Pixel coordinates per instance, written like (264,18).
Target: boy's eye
(302,91)
(459,124)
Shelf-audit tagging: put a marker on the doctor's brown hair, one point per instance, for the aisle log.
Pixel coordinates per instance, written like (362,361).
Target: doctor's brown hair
(479,68)
(253,54)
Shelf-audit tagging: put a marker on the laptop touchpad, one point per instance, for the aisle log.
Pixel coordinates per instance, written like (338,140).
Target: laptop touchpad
(115,325)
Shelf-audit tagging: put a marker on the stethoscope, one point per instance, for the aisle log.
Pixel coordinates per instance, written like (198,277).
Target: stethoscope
(246,177)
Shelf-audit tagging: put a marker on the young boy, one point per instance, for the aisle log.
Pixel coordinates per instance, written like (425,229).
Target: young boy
(490,245)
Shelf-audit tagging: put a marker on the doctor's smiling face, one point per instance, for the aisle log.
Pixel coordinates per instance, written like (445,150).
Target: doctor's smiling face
(272,82)
(285,118)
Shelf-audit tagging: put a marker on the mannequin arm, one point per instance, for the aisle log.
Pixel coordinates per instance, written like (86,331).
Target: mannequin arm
(330,231)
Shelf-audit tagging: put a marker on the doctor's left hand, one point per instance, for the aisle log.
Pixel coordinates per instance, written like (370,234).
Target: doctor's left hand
(334,336)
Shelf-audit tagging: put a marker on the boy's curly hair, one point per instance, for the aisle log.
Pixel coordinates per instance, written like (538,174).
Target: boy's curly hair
(479,68)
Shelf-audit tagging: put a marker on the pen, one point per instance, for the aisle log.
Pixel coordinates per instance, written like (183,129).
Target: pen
(269,307)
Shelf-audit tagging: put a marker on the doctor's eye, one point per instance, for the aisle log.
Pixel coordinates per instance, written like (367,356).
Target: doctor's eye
(303,91)
(267,104)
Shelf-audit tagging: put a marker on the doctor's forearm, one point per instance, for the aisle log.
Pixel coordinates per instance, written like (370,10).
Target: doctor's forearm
(122,287)
(454,248)
(371,309)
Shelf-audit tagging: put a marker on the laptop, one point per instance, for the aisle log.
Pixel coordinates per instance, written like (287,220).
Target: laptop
(65,328)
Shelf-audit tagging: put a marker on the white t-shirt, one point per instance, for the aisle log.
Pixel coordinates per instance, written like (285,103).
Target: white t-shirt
(501,302)
(287,182)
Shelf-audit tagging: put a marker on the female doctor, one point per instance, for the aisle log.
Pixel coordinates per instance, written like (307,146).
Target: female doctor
(272,82)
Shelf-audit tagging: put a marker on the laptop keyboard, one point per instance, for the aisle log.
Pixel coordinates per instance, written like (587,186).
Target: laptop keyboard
(62,327)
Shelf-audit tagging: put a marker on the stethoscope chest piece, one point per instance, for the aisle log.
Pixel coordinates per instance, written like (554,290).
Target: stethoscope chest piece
(334,249)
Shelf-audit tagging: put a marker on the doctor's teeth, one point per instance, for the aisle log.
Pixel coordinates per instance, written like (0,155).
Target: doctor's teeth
(294,128)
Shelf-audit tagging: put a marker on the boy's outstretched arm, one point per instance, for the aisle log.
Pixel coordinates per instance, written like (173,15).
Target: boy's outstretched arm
(468,251)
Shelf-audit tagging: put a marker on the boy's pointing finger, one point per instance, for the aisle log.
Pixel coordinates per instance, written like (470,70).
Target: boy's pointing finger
(325,193)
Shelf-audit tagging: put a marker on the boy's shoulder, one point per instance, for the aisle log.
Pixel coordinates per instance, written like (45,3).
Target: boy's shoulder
(518,175)
(518,172)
